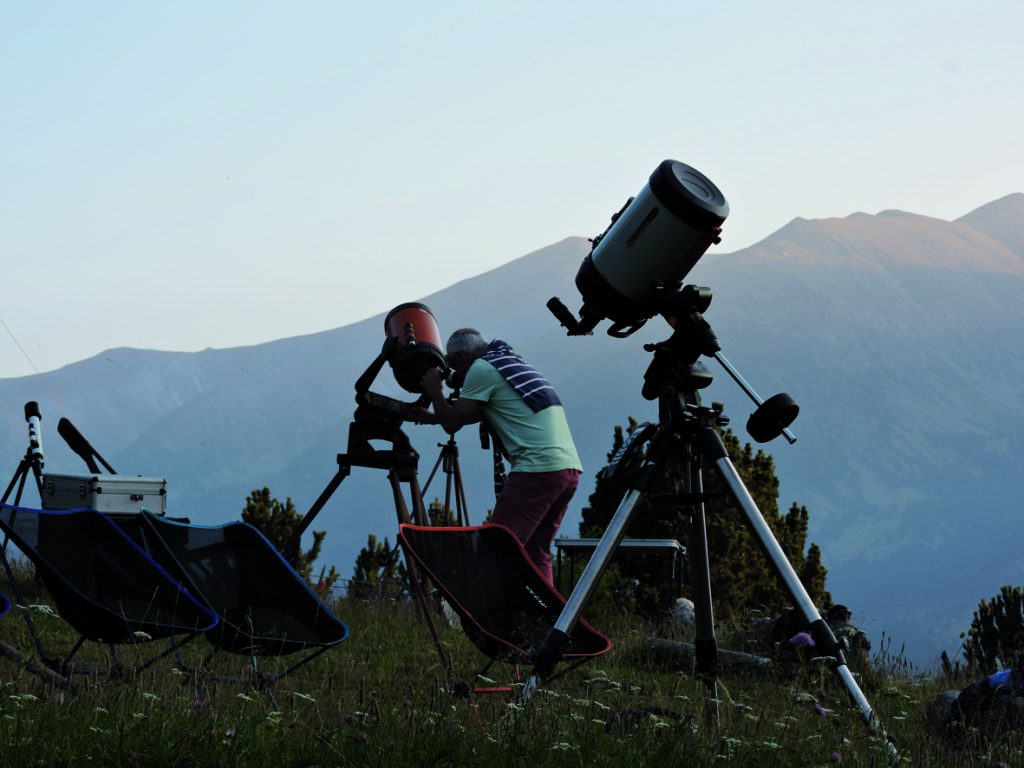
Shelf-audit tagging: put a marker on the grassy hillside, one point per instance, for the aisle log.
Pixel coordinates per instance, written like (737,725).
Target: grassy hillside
(382,699)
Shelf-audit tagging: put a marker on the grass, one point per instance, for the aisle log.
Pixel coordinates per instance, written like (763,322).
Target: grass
(382,699)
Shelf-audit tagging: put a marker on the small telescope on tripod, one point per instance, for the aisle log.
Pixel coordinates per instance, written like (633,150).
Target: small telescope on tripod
(634,272)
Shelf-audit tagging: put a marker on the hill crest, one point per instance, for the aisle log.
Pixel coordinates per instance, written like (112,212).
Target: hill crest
(894,239)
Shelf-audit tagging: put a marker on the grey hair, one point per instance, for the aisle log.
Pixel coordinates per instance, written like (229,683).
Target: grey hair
(467,340)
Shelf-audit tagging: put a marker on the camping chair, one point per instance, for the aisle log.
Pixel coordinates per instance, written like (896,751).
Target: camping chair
(101,582)
(505,606)
(5,604)
(264,607)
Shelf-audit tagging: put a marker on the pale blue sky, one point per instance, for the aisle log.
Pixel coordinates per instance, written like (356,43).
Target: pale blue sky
(184,175)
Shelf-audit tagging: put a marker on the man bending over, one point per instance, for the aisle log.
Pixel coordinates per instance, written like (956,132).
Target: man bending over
(524,413)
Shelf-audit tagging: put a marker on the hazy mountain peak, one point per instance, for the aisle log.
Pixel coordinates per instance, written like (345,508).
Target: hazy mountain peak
(989,240)
(1011,204)
(896,213)
(1002,220)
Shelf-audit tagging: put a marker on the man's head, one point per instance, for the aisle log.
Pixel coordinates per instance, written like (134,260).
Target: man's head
(465,346)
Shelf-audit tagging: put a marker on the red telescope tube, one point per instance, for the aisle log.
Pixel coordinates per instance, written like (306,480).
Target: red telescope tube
(419,344)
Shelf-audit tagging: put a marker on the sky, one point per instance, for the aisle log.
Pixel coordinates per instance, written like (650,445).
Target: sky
(187,175)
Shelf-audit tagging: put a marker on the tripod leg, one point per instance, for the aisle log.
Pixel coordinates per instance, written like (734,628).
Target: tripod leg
(448,493)
(20,476)
(433,471)
(21,489)
(461,507)
(419,510)
(401,508)
(37,474)
(705,644)
(18,480)
(291,549)
(550,651)
(418,585)
(714,451)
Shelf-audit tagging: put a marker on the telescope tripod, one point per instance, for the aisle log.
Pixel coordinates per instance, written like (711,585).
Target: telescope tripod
(688,428)
(448,462)
(28,464)
(377,418)
(380,418)
(32,461)
(400,460)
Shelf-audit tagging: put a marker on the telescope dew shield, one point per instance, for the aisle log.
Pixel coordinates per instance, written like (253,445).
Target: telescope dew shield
(419,344)
(655,240)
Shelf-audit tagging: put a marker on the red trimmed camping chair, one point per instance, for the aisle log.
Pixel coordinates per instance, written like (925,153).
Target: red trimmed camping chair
(505,606)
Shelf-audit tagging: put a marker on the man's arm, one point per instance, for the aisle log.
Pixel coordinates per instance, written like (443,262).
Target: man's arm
(451,416)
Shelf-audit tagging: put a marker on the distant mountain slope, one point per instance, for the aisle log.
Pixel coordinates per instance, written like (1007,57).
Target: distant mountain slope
(1002,220)
(900,336)
(894,239)
(910,433)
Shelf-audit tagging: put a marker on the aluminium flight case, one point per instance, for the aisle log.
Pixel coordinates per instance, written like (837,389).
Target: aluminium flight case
(110,494)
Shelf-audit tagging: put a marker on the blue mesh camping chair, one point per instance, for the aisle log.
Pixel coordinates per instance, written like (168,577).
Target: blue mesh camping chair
(101,582)
(264,607)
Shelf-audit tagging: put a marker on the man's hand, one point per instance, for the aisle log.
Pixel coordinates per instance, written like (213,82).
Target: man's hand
(451,416)
(431,383)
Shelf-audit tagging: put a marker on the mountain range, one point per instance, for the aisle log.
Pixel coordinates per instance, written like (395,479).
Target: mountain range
(899,335)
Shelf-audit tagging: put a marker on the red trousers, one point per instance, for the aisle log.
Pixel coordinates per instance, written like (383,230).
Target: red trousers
(532,505)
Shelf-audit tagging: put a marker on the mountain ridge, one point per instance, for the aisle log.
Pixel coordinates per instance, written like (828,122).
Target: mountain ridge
(989,216)
(1001,220)
(889,239)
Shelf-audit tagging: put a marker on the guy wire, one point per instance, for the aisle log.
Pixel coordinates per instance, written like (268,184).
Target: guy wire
(45,380)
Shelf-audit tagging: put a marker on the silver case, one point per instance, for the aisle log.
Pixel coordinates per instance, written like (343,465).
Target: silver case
(113,494)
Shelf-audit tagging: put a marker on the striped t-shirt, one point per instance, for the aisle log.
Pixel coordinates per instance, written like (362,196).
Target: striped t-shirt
(535,441)
(530,383)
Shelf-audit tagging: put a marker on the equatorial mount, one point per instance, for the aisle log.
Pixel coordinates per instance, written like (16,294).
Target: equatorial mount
(676,361)
(675,377)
